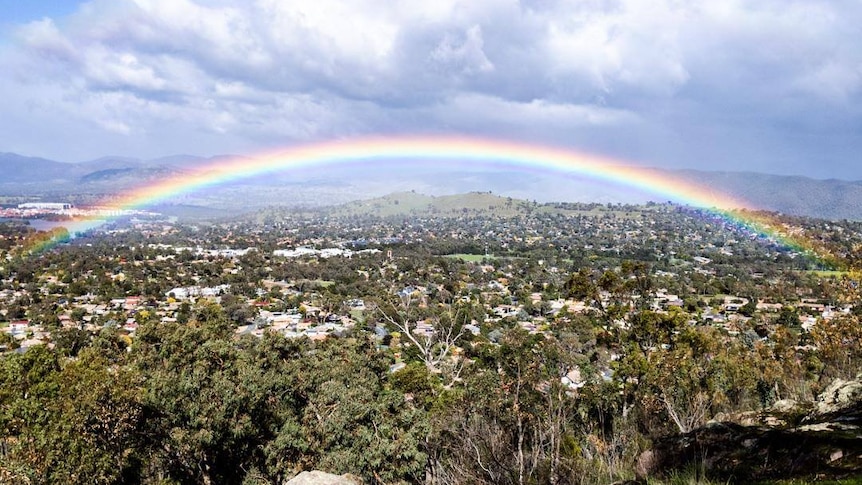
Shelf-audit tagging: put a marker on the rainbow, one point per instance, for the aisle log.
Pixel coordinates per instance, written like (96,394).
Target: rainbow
(462,150)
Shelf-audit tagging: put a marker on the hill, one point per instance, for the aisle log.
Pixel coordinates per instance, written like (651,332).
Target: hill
(795,195)
(18,169)
(127,177)
(326,186)
(415,204)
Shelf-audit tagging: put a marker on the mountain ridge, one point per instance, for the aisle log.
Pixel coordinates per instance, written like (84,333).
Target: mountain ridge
(790,194)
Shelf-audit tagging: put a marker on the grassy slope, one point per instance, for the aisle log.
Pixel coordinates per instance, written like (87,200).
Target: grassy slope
(486,203)
(411,203)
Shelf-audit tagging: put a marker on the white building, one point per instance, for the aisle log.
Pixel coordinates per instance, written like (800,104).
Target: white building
(54,206)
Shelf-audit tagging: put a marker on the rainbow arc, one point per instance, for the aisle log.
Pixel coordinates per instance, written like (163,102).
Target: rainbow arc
(461,150)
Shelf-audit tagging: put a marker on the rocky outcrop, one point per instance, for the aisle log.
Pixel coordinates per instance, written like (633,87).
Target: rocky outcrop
(788,441)
(322,478)
(838,397)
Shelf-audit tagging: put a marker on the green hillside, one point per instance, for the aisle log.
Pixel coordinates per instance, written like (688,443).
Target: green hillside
(403,204)
(414,204)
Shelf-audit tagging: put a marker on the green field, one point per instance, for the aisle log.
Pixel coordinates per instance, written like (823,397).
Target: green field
(471,258)
(827,273)
(412,203)
(485,203)
(316,283)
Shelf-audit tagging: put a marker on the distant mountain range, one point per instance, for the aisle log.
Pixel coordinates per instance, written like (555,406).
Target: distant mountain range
(39,178)
(795,195)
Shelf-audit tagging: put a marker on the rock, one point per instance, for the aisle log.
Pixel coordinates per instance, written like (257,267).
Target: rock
(316,477)
(828,428)
(786,412)
(732,452)
(748,418)
(751,418)
(784,406)
(773,421)
(645,465)
(839,395)
(788,441)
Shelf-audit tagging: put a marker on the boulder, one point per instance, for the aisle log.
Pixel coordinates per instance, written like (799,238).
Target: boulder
(789,440)
(784,406)
(316,477)
(838,396)
(732,452)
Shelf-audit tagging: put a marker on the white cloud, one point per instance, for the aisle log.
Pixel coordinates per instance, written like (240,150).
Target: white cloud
(464,53)
(113,70)
(115,126)
(636,43)
(832,81)
(475,108)
(232,76)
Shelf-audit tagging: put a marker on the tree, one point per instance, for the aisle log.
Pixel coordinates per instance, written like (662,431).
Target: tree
(788,317)
(353,422)
(70,341)
(512,420)
(839,346)
(435,346)
(75,424)
(749,308)
(202,401)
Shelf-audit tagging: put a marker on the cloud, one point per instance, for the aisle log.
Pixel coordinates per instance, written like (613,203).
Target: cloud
(47,42)
(636,44)
(464,55)
(657,81)
(499,114)
(832,81)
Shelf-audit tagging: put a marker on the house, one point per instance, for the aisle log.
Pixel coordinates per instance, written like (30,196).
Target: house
(573,379)
(769,307)
(808,323)
(194,291)
(26,344)
(424,329)
(356,304)
(131,325)
(131,302)
(19,327)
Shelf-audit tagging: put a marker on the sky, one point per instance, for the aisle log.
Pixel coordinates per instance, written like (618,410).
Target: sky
(768,86)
